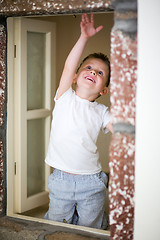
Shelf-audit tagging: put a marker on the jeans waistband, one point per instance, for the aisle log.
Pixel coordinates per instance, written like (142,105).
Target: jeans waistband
(64,175)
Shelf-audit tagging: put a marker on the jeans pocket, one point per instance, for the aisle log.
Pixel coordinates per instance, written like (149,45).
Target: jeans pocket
(104,178)
(52,179)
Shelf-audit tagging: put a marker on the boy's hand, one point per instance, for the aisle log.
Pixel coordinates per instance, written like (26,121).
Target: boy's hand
(68,75)
(87,26)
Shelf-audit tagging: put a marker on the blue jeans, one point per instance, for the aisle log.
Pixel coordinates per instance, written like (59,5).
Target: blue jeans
(77,199)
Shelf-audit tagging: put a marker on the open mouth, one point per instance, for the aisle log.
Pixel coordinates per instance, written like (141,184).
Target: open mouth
(90,79)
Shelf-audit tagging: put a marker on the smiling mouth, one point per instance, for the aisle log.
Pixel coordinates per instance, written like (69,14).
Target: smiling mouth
(90,79)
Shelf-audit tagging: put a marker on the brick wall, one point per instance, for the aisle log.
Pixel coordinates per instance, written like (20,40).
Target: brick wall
(123,95)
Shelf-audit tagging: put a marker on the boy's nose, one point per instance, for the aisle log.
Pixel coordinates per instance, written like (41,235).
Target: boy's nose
(93,72)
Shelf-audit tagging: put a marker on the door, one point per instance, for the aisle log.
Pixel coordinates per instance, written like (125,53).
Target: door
(34,77)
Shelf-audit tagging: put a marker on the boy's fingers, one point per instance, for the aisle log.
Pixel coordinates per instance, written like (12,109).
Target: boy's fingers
(83,17)
(99,28)
(86,18)
(92,18)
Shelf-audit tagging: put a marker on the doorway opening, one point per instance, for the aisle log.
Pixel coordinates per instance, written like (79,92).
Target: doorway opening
(65,34)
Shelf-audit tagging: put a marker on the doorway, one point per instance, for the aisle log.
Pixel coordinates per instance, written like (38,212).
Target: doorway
(66,35)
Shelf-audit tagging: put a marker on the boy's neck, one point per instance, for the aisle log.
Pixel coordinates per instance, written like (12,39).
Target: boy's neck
(86,96)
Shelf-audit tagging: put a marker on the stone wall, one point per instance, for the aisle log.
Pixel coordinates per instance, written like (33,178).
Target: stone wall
(3,111)
(123,98)
(35,7)
(123,110)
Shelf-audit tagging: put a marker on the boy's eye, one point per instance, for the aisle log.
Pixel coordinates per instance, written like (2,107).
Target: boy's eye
(88,67)
(100,73)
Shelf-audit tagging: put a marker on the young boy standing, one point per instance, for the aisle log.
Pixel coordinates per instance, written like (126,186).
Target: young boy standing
(78,185)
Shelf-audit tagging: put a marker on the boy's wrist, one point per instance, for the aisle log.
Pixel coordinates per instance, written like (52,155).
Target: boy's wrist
(83,37)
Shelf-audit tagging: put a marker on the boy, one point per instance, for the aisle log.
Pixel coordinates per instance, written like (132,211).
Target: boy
(77,185)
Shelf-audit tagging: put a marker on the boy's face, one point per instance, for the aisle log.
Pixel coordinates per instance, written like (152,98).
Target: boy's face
(93,75)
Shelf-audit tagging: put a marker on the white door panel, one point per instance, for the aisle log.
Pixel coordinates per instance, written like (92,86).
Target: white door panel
(34,78)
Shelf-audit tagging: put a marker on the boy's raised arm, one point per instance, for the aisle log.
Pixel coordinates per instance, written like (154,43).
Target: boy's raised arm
(87,30)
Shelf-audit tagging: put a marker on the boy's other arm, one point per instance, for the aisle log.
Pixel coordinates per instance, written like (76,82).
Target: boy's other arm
(109,127)
(87,30)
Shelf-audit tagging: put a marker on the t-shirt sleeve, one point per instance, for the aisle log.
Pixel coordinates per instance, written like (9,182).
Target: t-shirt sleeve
(106,120)
(62,98)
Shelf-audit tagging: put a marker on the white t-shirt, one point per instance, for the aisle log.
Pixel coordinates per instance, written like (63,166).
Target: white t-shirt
(75,127)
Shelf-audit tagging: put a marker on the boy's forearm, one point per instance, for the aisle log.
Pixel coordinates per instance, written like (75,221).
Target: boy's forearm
(70,66)
(75,54)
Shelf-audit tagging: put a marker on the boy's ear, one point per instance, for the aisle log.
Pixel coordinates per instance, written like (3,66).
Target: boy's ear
(104,91)
(75,78)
